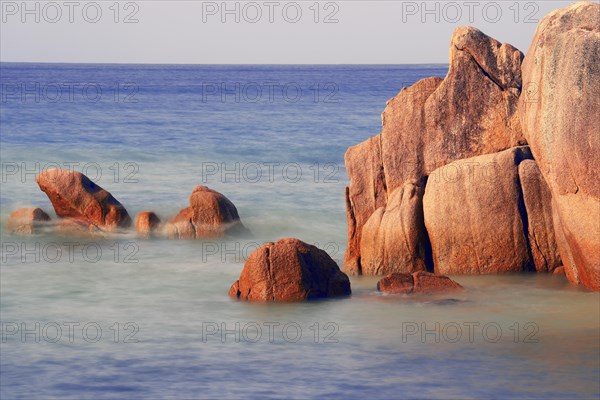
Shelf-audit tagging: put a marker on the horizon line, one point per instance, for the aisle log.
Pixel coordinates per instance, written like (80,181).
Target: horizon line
(209,64)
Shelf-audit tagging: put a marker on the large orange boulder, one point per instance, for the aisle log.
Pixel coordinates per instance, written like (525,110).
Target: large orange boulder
(473,214)
(289,270)
(559,114)
(393,238)
(74,195)
(539,224)
(472,111)
(210,215)
(420,282)
(26,221)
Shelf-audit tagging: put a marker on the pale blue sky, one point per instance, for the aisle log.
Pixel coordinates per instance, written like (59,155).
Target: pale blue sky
(358,32)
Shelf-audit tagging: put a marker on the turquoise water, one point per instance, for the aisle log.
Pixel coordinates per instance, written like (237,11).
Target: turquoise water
(151,318)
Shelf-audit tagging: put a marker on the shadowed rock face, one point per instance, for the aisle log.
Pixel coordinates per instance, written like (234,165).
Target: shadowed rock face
(472,111)
(559,113)
(474,215)
(289,270)
(210,215)
(74,195)
(26,221)
(420,282)
(540,228)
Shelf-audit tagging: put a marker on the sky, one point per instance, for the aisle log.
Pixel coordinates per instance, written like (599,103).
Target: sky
(255,32)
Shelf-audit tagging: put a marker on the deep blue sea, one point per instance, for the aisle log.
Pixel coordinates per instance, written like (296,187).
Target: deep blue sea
(131,318)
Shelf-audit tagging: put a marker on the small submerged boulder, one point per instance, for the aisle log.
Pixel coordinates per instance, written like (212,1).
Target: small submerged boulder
(78,228)
(559,271)
(26,221)
(181,226)
(74,195)
(419,282)
(146,223)
(290,270)
(210,215)
(396,283)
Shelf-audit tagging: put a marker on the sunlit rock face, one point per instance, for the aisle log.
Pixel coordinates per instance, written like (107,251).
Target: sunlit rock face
(559,114)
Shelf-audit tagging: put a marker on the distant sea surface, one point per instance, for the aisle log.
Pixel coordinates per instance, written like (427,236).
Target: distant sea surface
(151,318)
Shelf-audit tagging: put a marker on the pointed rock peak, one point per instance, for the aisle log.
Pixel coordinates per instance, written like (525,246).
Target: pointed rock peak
(501,62)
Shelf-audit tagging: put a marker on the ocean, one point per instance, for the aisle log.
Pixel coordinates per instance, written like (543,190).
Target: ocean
(122,316)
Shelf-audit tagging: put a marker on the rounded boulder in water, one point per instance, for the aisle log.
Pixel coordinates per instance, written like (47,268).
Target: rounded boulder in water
(290,270)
